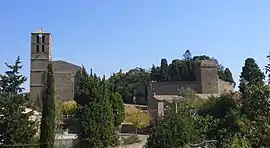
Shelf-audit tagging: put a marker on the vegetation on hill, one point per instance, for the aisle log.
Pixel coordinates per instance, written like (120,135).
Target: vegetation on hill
(128,84)
(15,126)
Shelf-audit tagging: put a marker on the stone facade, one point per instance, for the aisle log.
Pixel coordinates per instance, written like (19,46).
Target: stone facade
(41,55)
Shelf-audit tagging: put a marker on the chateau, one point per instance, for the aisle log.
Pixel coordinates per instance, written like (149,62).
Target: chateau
(41,54)
(162,95)
(158,95)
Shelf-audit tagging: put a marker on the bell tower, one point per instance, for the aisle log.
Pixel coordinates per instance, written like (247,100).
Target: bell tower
(41,54)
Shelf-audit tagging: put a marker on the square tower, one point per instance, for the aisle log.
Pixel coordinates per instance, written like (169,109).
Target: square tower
(207,77)
(41,54)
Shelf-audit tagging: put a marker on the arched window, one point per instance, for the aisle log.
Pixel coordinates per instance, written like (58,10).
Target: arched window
(37,39)
(42,48)
(43,39)
(37,48)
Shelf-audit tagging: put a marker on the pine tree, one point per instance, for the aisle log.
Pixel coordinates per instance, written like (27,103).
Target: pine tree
(47,126)
(187,56)
(15,126)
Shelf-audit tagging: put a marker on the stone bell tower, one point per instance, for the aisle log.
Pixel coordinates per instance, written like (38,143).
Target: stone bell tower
(41,54)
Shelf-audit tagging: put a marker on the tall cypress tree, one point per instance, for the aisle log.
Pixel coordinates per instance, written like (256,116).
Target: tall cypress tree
(164,70)
(15,126)
(47,127)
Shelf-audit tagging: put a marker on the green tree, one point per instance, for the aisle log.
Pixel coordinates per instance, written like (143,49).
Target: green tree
(187,56)
(174,72)
(155,73)
(118,108)
(164,70)
(15,126)
(228,75)
(48,123)
(175,130)
(251,74)
(96,124)
(68,108)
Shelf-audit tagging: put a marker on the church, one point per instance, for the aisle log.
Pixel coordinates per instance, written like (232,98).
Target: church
(41,55)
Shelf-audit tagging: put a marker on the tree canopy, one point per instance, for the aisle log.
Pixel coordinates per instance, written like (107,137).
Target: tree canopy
(15,126)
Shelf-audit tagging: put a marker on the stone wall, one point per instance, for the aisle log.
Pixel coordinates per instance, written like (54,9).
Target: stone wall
(224,86)
(172,87)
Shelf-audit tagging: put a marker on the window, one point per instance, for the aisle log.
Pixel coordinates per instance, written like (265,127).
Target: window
(37,48)
(43,39)
(42,48)
(37,39)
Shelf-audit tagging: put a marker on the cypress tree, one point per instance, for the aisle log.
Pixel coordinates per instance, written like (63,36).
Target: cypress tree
(47,127)
(228,75)
(164,70)
(251,74)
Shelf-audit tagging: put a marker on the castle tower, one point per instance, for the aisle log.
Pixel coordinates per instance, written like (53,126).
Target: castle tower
(41,50)
(207,77)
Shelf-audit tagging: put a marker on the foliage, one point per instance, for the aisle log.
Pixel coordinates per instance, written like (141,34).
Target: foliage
(239,142)
(48,122)
(128,83)
(131,139)
(68,108)
(175,130)
(164,70)
(251,74)
(137,117)
(232,123)
(96,124)
(118,107)
(187,56)
(15,126)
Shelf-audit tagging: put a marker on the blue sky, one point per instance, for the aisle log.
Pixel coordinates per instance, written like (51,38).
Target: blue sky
(107,35)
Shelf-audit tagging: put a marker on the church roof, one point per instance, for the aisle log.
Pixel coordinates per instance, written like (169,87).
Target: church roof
(65,62)
(64,66)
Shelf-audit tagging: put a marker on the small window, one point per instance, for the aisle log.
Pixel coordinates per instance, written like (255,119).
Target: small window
(42,48)
(43,39)
(37,39)
(37,48)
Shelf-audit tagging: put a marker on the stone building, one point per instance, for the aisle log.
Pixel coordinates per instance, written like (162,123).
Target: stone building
(41,54)
(162,95)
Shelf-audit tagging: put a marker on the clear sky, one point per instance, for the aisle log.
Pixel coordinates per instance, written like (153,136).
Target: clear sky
(107,35)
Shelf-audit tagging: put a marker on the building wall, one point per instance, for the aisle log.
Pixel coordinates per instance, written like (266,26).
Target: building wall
(153,107)
(64,79)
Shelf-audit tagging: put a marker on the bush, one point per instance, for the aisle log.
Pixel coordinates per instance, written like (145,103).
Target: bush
(131,139)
